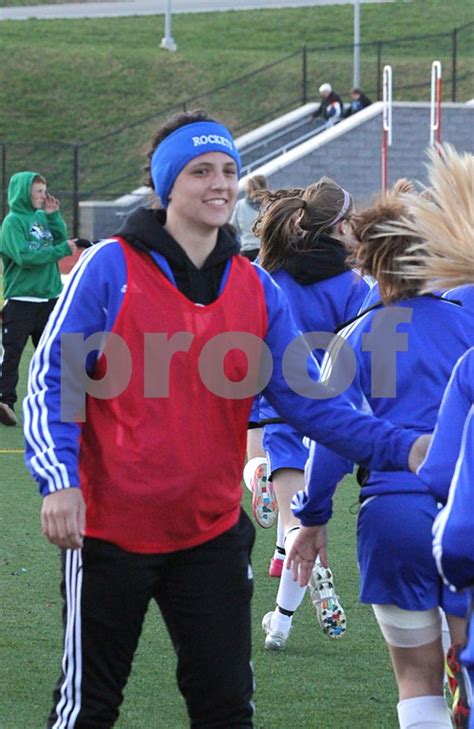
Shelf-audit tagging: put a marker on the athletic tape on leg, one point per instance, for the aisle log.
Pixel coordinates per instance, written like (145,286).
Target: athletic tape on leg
(408,628)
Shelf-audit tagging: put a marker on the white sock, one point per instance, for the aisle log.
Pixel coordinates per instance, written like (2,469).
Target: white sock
(290,595)
(280,540)
(280,622)
(446,639)
(424,712)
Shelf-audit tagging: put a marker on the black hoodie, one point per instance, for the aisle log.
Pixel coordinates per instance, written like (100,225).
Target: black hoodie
(317,258)
(144,229)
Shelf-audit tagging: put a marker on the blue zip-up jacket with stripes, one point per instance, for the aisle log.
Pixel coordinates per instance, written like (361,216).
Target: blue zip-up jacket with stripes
(91,302)
(448,470)
(453,530)
(434,335)
(464,294)
(320,307)
(373,297)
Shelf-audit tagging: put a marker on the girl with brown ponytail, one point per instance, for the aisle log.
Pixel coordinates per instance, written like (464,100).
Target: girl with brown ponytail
(302,244)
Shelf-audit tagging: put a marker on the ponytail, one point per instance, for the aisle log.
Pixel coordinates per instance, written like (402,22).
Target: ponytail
(277,230)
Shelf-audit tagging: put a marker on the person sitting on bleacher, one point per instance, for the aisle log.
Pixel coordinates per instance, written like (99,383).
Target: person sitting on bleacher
(331,107)
(358,102)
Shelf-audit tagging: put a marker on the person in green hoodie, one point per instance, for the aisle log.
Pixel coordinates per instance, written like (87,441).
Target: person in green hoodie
(33,239)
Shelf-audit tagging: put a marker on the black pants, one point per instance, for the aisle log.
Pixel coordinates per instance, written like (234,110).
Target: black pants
(204,597)
(20,320)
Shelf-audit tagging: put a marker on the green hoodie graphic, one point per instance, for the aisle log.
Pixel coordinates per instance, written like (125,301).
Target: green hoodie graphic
(31,243)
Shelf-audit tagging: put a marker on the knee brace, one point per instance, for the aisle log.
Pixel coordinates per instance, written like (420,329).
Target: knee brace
(408,628)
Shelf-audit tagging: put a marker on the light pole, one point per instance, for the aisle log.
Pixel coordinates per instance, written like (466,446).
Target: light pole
(386,122)
(356,82)
(167,41)
(436,92)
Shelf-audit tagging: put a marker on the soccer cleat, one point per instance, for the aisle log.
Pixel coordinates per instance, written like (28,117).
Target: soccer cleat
(264,503)
(457,685)
(329,611)
(275,640)
(276,567)
(7,414)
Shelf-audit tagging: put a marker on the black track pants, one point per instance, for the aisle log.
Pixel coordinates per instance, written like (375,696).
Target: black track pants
(20,320)
(204,597)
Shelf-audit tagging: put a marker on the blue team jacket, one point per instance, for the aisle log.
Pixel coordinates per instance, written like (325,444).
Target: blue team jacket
(448,470)
(435,334)
(320,307)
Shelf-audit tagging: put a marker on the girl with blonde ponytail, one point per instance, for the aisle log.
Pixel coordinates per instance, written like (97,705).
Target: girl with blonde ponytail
(405,349)
(442,218)
(444,257)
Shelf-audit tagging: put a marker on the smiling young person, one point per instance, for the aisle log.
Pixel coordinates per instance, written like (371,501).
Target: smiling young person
(143,496)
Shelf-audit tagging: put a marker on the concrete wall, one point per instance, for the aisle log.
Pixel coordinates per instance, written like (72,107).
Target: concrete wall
(352,157)
(101,219)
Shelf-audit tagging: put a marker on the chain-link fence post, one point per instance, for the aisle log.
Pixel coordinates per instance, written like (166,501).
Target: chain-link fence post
(379,70)
(4,180)
(304,80)
(75,191)
(454,62)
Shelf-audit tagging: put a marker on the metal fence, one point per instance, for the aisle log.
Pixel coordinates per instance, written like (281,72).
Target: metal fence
(109,165)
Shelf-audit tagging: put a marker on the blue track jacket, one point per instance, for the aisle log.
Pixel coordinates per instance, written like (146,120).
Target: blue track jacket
(448,470)
(431,335)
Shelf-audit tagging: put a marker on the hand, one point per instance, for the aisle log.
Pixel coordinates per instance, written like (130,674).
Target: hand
(309,542)
(72,245)
(83,242)
(63,518)
(418,452)
(51,204)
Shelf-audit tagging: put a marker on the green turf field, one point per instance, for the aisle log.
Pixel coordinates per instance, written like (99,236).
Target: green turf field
(317,684)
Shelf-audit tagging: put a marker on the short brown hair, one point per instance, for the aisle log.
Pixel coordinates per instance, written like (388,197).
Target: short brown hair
(379,252)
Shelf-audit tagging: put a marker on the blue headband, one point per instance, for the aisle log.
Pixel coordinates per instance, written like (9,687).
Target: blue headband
(183,145)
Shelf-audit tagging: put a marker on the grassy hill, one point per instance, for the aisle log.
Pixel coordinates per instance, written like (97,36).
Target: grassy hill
(71,80)
(64,82)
